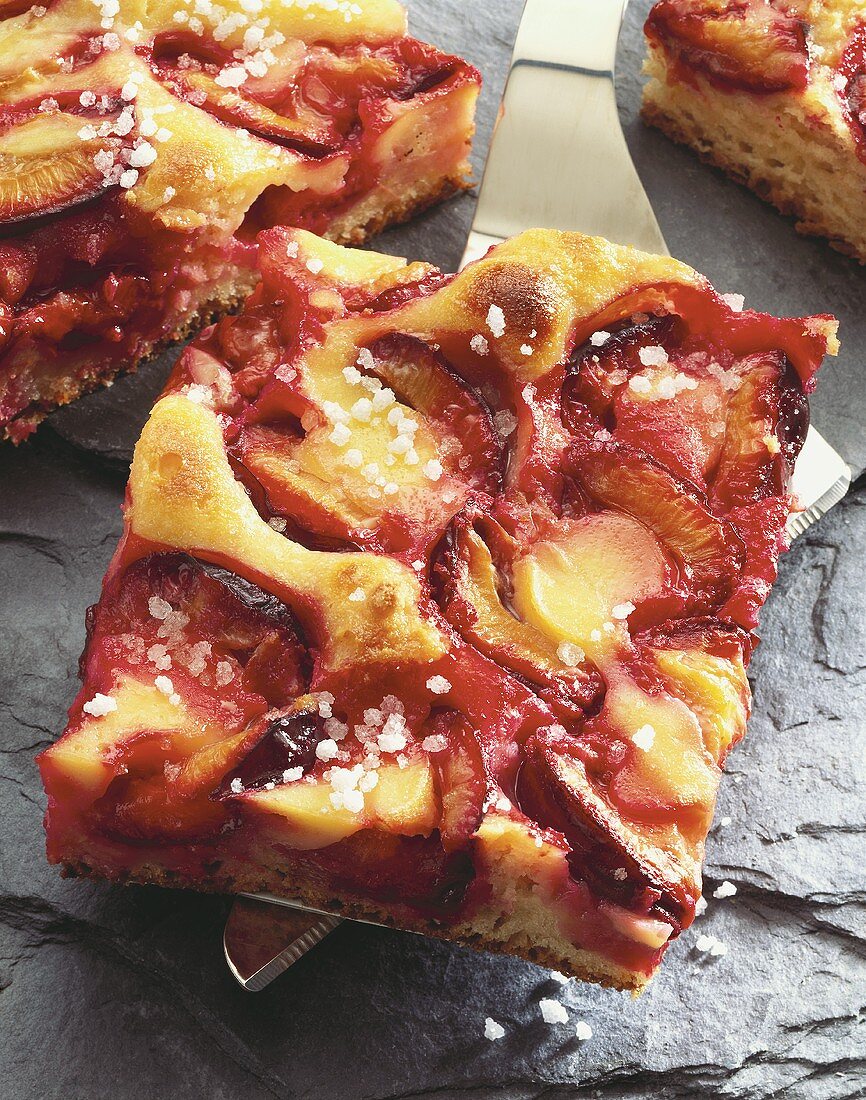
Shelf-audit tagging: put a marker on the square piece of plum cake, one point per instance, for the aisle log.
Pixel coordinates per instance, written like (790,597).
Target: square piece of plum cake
(436,593)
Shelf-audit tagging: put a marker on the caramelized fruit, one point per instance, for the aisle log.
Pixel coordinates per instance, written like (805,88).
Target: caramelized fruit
(758,45)
(46,167)
(708,548)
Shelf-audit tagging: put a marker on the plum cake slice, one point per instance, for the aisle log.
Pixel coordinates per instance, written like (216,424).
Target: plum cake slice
(143,147)
(436,593)
(774,93)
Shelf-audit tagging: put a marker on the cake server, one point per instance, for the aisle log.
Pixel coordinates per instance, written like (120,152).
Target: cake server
(261,941)
(558,158)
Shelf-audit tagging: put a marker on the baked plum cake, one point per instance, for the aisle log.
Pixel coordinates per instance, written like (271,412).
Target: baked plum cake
(143,147)
(436,593)
(774,93)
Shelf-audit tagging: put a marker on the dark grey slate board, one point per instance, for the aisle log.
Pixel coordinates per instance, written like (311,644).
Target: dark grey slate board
(123,993)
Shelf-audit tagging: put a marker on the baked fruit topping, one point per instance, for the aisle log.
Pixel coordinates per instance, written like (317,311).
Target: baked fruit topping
(142,148)
(755,45)
(436,594)
(773,92)
(850,83)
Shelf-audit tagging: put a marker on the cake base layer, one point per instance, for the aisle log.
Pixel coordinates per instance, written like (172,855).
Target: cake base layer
(527,931)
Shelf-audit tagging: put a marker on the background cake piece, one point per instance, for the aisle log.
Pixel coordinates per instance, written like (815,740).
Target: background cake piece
(774,93)
(435,597)
(143,146)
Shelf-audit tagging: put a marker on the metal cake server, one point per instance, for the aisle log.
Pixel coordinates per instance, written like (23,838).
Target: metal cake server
(261,941)
(558,158)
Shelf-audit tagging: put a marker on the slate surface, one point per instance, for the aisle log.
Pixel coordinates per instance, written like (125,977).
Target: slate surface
(123,993)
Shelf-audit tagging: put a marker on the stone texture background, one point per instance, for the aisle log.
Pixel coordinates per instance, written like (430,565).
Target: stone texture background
(123,993)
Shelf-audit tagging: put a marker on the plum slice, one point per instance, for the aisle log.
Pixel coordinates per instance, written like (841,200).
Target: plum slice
(249,595)
(766,424)
(164,782)
(708,547)
(309,98)
(587,379)
(45,167)
(590,576)
(702,662)
(673,408)
(403,802)
(461,778)
(308,132)
(422,380)
(629,861)
(231,650)
(473,604)
(267,106)
(756,45)
(382,451)
(200,658)
(286,741)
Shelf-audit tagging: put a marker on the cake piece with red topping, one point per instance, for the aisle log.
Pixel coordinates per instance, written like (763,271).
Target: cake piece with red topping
(143,147)
(435,597)
(774,93)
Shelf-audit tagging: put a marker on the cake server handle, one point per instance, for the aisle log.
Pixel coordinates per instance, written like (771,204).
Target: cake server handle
(261,940)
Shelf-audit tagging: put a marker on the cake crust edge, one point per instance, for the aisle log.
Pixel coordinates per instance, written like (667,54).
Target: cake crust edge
(579,963)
